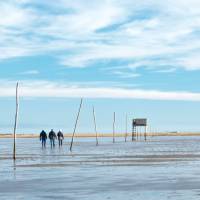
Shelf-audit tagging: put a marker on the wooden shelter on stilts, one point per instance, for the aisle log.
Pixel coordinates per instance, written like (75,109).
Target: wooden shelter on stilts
(138,124)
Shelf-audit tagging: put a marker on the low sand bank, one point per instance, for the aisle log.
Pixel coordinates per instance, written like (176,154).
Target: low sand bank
(88,135)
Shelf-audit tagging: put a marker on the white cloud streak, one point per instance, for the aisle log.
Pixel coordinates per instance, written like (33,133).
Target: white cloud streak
(126,74)
(30,72)
(56,90)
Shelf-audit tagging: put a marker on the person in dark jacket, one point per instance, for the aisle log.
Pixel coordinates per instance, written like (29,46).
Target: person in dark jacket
(60,137)
(43,138)
(52,137)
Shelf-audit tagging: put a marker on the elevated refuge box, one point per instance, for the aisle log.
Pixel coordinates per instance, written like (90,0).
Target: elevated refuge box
(139,122)
(137,125)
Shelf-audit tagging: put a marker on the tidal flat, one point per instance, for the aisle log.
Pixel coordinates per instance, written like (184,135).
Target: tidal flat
(157,169)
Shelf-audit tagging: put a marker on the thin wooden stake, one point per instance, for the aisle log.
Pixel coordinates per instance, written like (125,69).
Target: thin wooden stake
(145,133)
(126,133)
(76,125)
(114,128)
(133,130)
(95,127)
(136,133)
(15,125)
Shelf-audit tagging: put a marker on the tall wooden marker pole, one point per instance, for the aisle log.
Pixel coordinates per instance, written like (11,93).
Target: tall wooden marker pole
(15,125)
(126,133)
(76,124)
(95,127)
(114,127)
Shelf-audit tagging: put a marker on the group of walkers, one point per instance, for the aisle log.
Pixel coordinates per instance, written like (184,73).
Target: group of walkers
(52,137)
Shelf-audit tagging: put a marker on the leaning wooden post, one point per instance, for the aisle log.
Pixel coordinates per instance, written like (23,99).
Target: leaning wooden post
(15,125)
(126,133)
(114,127)
(95,127)
(76,125)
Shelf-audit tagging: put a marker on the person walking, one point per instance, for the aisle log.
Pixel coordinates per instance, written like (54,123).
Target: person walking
(60,137)
(52,137)
(43,138)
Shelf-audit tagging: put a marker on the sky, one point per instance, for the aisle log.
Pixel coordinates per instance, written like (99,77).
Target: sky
(135,58)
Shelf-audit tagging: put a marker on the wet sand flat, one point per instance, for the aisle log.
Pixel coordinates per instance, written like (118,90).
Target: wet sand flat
(161,168)
(92,135)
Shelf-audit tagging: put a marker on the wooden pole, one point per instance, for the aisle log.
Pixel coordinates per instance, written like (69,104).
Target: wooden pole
(95,127)
(15,125)
(137,132)
(126,133)
(114,127)
(76,125)
(133,131)
(145,133)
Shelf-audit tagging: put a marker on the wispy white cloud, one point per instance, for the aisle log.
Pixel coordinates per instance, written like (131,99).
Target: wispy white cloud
(166,70)
(51,89)
(191,61)
(12,15)
(108,29)
(123,74)
(30,72)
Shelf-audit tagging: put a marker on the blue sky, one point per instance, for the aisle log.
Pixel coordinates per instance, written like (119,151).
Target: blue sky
(134,57)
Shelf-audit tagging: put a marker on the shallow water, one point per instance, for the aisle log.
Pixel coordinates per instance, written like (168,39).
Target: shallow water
(161,168)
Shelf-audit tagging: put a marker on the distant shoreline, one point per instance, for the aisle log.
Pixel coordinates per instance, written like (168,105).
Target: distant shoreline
(90,135)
